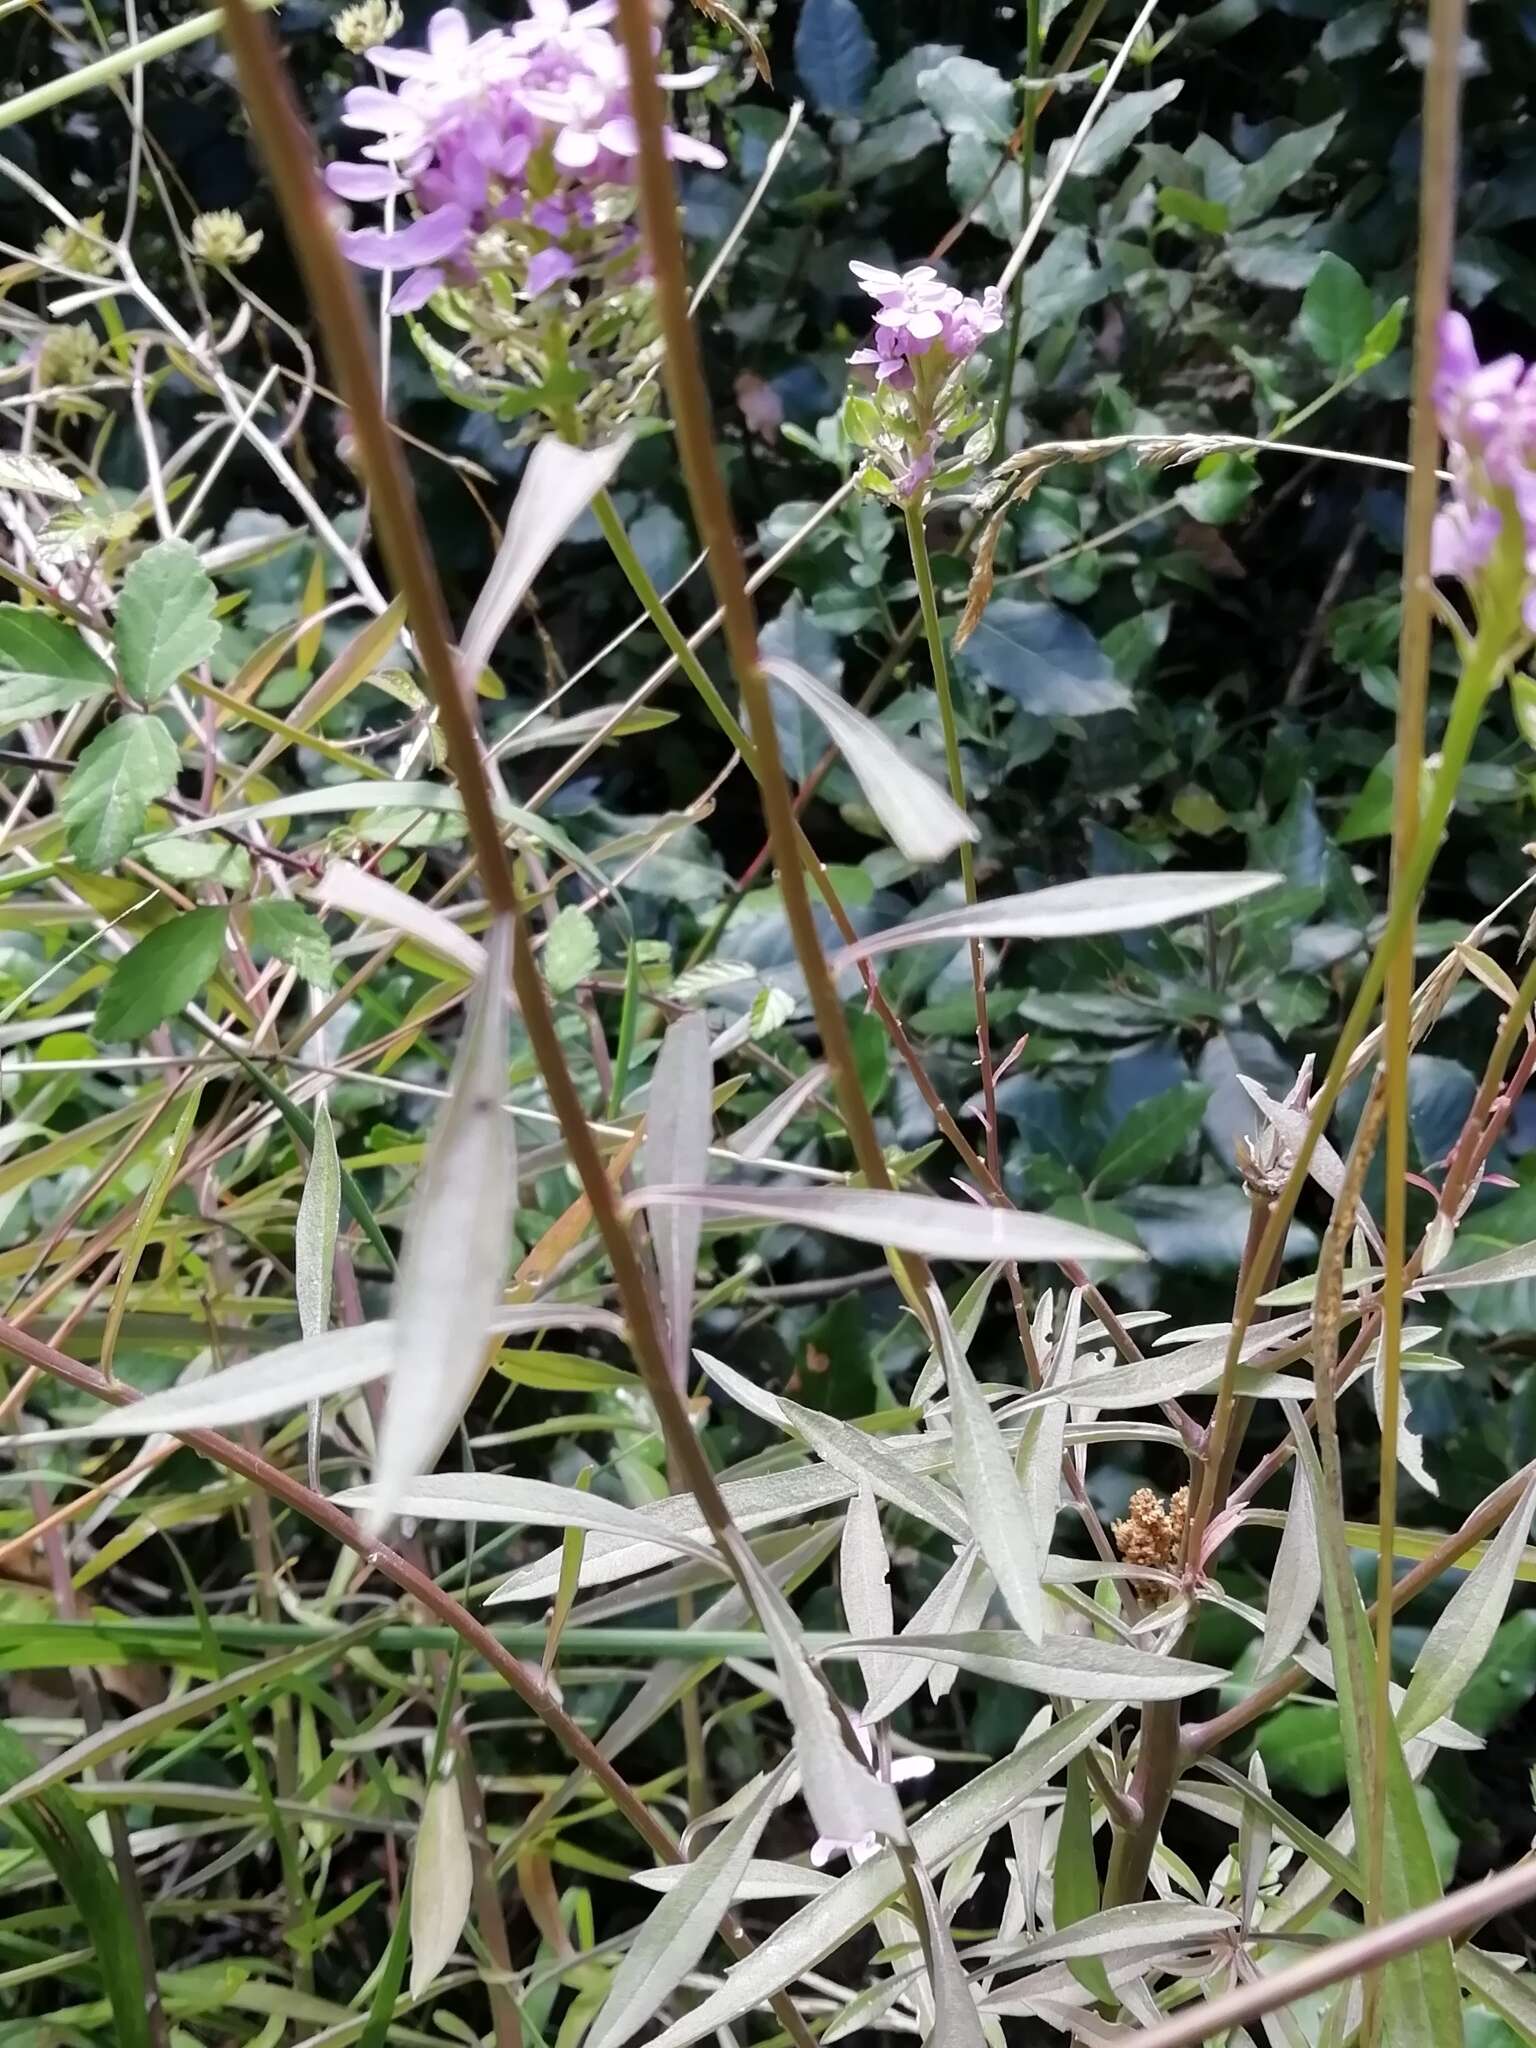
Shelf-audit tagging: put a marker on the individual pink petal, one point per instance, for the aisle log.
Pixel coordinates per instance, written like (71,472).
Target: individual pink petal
(363,181)
(428,239)
(416,289)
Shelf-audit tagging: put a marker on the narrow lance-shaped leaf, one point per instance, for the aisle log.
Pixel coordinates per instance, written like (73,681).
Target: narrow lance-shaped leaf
(344,886)
(499,1498)
(1080,1667)
(956,2022)
(1294,1584)
(1459,1640)
(1075,1881)
(680,1929)
(442,1880)
(989,1484)
(676,1149)
(864,1569)
(924,821)
(269,1384)
(1071,910)
(456,1247)
(905,1223)
(847,1801)
(1420,1999)
(982,1805)
(557,486)
(315,1235)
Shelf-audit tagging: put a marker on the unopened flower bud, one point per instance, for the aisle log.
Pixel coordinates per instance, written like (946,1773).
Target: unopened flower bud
(367,23)
(67,355)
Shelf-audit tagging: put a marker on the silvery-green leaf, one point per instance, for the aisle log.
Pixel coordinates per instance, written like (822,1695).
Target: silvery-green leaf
(1078,1667)
(557,486)
(345,886)
(1459,1640)
(903,1222)
(1294,1584)
(442,1879)
(314,1240)
(755,1140)
(268,1384)
(847,1801)
(680,1929)
(965,1319)
(981,1806)
(1168,1375)
(497,1498)
(958,1601)
(989,1484)
(762,1879)
(956,2022)
(455,1247)
(1071,910)
(1509,1992)
(864,1568)
(1255,1837)
(754,1503)
(1516,1264)
(676,1149)
(924,821)
(1150,1923)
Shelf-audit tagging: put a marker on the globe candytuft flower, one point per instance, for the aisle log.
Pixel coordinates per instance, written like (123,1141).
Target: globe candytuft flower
(526,124)
(508,163)
(925,332)
(1485,536)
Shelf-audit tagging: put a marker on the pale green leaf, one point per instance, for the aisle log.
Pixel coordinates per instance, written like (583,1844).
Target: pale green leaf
(44,665)
(442,1880)
(165,619)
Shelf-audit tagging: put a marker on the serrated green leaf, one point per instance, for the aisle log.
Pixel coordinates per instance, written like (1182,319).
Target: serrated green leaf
(161,975)
(44,665)
(165,619)
(292,934)
(116,779)
(571,951)
(1420,2000)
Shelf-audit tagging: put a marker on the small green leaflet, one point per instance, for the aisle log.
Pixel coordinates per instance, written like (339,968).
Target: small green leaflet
(571,951)
(165,621)
(116,779)
(294,935)
(1336,313)
(44,665)
(161,975)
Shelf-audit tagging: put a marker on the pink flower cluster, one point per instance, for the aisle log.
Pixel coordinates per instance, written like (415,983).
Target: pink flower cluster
(514,139)
(1487,413)
(917,311)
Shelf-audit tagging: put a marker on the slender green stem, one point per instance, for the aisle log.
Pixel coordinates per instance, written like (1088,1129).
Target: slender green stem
(1483,669)
(70,84)
(1437,223)
(1026,175)
(689,397)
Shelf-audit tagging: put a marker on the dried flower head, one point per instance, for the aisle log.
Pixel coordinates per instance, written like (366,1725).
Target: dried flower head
(80,248)
(367,23)
(222,239)
(926,331)
(1485,537)
(1152,1534)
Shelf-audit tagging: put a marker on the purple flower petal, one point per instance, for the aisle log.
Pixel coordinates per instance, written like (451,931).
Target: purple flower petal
(363,181)
(549,267)
(428,239)
(417,289)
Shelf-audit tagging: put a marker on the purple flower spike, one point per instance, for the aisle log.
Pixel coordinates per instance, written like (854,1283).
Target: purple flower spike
(457,136)
(924,330)
(1487,413)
